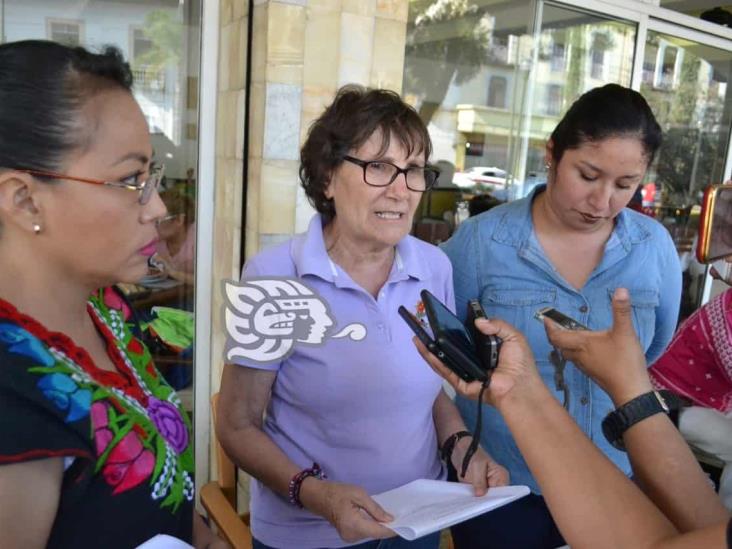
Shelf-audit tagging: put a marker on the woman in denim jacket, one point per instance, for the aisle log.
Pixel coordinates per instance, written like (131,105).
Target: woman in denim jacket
(568,245)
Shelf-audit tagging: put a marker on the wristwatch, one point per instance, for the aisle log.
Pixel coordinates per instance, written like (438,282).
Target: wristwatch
(620,420)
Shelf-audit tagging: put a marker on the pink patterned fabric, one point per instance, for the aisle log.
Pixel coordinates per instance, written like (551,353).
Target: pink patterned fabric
(698,362)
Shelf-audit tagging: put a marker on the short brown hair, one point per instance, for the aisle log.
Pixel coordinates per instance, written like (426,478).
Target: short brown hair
(346,124)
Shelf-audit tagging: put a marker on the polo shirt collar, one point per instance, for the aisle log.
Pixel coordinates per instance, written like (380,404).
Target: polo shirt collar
(311,258)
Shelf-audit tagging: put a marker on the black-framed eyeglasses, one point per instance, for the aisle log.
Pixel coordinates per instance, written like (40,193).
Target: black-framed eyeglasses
(144,188)
(379,173)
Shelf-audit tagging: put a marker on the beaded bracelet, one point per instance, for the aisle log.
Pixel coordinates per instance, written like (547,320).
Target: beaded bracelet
(449,445)
(293,491)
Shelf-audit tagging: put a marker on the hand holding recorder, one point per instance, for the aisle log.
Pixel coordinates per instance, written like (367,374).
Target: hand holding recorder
(468,352)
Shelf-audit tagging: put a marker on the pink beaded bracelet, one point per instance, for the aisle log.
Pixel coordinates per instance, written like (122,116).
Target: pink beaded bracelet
(293,491)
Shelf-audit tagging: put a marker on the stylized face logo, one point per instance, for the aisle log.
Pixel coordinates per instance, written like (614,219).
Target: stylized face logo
(266,317)
(303,319)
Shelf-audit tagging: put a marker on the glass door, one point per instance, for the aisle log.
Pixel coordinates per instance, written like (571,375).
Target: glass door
(686,82)
(575,50)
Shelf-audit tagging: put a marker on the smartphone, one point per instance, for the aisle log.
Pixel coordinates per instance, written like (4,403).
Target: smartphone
(432,346)
(453,338)
(715,224)
(566,322)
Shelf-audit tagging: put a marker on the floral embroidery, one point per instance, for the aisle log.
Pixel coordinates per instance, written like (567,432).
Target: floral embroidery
(136,424)
(113,301)
(23,343)
(168,421)
(66,395)
(128,463)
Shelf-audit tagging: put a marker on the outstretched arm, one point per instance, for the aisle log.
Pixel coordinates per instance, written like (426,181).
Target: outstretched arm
(662,461)
(593,503)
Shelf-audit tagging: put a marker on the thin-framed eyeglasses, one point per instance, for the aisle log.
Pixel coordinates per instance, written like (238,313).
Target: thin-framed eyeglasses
(379,173)
(145,188)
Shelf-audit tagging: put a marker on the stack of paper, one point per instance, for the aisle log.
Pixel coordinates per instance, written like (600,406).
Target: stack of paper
(425,506)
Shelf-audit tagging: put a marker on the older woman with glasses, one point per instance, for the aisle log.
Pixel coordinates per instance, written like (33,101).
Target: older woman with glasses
(324,400)
(95,448)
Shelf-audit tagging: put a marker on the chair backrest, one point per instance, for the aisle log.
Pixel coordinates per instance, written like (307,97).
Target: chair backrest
(227,470)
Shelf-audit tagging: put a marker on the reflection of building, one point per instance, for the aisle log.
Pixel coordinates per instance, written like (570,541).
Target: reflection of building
(490,116)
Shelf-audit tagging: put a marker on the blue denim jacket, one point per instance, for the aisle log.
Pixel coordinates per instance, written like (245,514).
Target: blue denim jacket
(497,258)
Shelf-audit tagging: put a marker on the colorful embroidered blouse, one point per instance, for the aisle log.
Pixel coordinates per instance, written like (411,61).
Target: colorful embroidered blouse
(124,434)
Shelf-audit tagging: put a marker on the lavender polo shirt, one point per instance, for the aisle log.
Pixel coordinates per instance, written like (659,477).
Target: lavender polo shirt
(361,409)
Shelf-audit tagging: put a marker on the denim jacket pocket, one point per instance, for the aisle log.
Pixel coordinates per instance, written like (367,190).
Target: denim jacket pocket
(644,302)
(517,306)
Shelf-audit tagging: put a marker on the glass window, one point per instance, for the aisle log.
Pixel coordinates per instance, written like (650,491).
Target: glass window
(466,70)
(553,99)
(497,92)
(558,57)
(690,98)
(453,54)
(161,40)
(598,61)
(65,32)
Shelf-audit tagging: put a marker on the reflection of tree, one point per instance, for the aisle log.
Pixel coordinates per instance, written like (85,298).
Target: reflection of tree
(576,69)
(164,32)
(690,152)
(446,39)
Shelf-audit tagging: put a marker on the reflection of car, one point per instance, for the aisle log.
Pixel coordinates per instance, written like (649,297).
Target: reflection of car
(480,176)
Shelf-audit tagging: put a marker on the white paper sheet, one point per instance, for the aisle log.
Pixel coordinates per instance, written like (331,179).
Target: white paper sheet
(425,506)
(164,541)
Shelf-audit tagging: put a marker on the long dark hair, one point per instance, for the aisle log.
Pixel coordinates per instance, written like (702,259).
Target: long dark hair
(43,87)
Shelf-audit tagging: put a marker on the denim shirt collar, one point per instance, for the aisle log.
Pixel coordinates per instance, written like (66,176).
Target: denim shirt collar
(311,258)
(516,228)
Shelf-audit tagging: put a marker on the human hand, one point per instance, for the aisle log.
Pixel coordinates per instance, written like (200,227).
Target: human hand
(203,536)
(516,368)
(482,472)
(613,358)
(353,513)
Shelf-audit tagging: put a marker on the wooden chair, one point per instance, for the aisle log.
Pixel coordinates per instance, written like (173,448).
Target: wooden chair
(219,499)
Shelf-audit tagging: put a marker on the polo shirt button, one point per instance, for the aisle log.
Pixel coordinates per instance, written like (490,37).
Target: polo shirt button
(380,327)
(584,309)
(584,401)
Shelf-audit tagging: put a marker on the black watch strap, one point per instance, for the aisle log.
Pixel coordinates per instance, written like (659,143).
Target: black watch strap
(449,445)
(646,405)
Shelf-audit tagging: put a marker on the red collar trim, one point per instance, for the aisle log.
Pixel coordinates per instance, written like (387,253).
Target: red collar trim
(122,379)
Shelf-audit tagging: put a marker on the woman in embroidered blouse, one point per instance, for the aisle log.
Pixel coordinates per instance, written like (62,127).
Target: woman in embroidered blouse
(95,449)
(568,245)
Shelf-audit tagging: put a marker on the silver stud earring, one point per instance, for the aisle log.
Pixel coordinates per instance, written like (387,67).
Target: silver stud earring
(548,165)
(36,228)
